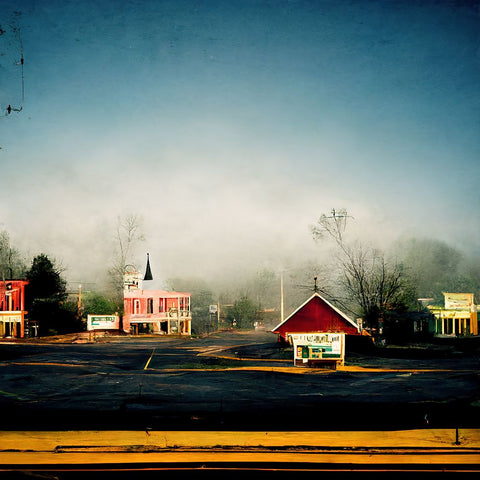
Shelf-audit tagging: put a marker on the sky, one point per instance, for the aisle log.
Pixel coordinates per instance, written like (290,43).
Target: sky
(229,127)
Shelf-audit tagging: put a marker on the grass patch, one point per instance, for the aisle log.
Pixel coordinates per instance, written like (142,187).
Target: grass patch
(214,363)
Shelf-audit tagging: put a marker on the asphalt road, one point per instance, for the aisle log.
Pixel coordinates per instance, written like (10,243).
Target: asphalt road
(226,381)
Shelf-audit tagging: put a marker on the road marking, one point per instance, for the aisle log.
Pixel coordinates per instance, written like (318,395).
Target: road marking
(148,361)
(54,364)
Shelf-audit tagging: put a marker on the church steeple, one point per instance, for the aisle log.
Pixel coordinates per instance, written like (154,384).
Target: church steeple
(148,271)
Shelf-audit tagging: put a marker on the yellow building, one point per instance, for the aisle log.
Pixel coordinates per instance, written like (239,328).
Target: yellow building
(458,317)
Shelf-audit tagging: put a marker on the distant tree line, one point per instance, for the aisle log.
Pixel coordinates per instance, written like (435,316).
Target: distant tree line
(381,287)
(50,311)
(384,288)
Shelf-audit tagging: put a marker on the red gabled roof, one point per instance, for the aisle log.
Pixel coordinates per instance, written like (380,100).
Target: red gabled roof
(317,315)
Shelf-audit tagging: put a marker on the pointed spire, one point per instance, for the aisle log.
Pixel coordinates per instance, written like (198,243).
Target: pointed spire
(148,271)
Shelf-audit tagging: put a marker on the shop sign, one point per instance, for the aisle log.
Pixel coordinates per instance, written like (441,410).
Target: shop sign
(102,322)
(10,317)
(458,300)
(316,346)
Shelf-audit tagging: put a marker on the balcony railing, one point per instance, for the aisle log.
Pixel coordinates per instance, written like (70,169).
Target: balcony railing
(171,314)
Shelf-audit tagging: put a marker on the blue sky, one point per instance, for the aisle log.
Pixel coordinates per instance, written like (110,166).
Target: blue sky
(230,126)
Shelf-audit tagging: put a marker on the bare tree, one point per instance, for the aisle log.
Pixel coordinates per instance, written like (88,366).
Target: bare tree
(127,234)
(11,262)
(374,284)
(367,278)
(333,225)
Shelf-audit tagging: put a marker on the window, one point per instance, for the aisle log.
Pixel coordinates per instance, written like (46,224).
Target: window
(149,305)
(136,306)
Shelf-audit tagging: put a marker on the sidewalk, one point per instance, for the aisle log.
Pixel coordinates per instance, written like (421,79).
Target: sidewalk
(412,447)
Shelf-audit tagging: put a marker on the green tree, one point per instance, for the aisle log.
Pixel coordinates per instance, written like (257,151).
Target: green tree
(435,267)
(94,303)
(200,301)
(472,275)
(266,288)
(46,298)
(243,314)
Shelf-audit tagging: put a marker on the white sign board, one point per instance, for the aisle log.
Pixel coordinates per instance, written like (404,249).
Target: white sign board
(10,317)
(461,301)
(103,322)
(318,346)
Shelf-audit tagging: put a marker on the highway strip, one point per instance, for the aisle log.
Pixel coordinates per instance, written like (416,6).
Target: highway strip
(432,448)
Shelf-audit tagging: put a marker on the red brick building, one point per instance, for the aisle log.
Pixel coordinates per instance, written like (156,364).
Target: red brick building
(12,308)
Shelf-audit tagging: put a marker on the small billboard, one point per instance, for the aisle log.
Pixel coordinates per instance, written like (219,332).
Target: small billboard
(460,301)
(11,317)
(311,348)
(103,322)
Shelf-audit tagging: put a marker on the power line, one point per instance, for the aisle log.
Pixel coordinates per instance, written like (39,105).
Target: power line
(17,31)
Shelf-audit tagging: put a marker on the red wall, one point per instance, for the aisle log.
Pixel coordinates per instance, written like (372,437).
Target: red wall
(316,316)
(16,292)
(15,301)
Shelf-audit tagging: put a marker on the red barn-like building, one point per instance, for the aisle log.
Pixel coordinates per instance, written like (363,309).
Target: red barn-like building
(316,315)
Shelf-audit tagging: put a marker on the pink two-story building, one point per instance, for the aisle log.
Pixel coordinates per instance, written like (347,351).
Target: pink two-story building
(157,311)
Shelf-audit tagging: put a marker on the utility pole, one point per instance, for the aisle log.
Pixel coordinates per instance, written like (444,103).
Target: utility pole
(281,296)
(79,305)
